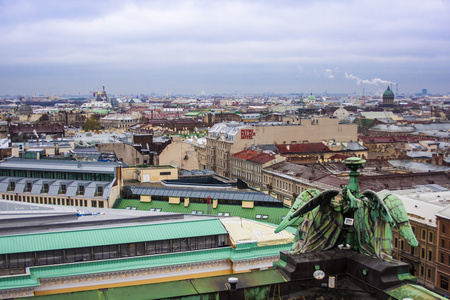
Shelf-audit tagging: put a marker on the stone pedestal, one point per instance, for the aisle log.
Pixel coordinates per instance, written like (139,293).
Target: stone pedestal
(338,265)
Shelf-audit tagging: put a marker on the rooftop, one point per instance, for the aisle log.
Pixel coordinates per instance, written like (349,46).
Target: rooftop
(59,165)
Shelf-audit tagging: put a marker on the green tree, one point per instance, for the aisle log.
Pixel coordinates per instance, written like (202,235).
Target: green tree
(92,123)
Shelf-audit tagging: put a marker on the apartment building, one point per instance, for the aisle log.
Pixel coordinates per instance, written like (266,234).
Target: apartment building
(225,139)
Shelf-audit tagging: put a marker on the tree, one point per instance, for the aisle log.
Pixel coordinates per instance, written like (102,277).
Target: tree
(92,124)
(126,192)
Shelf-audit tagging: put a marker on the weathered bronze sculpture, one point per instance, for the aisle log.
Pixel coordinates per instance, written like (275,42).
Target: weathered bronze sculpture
(362,222)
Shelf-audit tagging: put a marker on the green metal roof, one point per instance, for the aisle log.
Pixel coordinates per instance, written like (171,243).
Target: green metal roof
(413,291)
(274,214)
(388,92)
(139,262)
(165,290)
(193,113)
(109,236)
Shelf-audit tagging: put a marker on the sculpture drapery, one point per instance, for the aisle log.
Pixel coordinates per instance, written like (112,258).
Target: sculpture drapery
(348,219)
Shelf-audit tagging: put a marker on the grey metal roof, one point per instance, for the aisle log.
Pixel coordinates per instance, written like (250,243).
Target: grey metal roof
(54,185)
(199,193)
(59,165)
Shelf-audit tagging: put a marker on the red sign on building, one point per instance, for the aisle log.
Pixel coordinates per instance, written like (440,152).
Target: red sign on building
(247,134)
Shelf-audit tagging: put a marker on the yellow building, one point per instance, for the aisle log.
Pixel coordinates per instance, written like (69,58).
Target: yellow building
(150,174)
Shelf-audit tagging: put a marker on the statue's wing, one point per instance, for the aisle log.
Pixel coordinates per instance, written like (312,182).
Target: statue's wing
(380,206)
(392,210)
(400,217)
(301,200)
(320,199)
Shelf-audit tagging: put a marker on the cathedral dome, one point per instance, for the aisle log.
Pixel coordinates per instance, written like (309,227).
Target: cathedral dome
(24,109)
(388,93)
(311,97)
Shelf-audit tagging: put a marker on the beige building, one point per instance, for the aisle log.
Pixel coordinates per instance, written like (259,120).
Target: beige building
(131,154)
(60,182)
(422,204)
(120,121)
(248,166)
(150,174)
(285,180)
(225,139)
(181,154)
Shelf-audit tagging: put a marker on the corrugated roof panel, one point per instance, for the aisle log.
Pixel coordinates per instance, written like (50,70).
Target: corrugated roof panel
(52,165)
(225,195)
(36,188)
(4,186)
(20,186)
(72,189)
(109,236)
(89,190)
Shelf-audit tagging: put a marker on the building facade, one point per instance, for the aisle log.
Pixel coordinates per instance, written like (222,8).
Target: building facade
(225,139)
(60,182)
(248,166)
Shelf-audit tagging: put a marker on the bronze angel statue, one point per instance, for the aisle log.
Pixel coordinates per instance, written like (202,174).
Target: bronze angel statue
(362,222)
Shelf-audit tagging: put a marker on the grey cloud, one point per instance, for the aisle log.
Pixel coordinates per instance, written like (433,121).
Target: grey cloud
(141,35)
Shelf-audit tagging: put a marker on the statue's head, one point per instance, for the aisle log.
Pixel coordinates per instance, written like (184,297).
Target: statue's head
(354,164)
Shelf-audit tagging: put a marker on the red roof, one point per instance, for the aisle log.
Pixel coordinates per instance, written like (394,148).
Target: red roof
(246,154)
(254,156)
(302,148)
(262,158)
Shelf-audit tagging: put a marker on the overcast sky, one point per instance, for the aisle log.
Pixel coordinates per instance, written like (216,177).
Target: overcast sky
(189,47)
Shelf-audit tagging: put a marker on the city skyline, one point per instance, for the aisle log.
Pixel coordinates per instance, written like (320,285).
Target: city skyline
(189,47)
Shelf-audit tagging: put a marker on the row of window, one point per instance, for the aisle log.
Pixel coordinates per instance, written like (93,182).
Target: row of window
(55,201)
(57,175)
(62,188)
(413,250)
(22,260)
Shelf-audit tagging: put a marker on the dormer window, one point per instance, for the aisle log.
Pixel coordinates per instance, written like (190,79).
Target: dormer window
(99,191)
(44,188)
(11,186)
(28,187)
(80,190)
(62,188)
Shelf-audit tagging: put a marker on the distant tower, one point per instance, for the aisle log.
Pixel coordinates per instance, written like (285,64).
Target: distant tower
(388,97)
(363,98)
(424,92)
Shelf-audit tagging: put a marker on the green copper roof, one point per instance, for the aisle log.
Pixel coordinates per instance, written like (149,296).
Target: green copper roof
(101,111)
(139,262)
(173,289)
(311,97)
(412,291)
(109,236)
(274,214)
(388,92)
(193,114)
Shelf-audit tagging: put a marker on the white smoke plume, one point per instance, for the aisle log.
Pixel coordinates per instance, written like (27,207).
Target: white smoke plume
(329,74)
(375,81)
